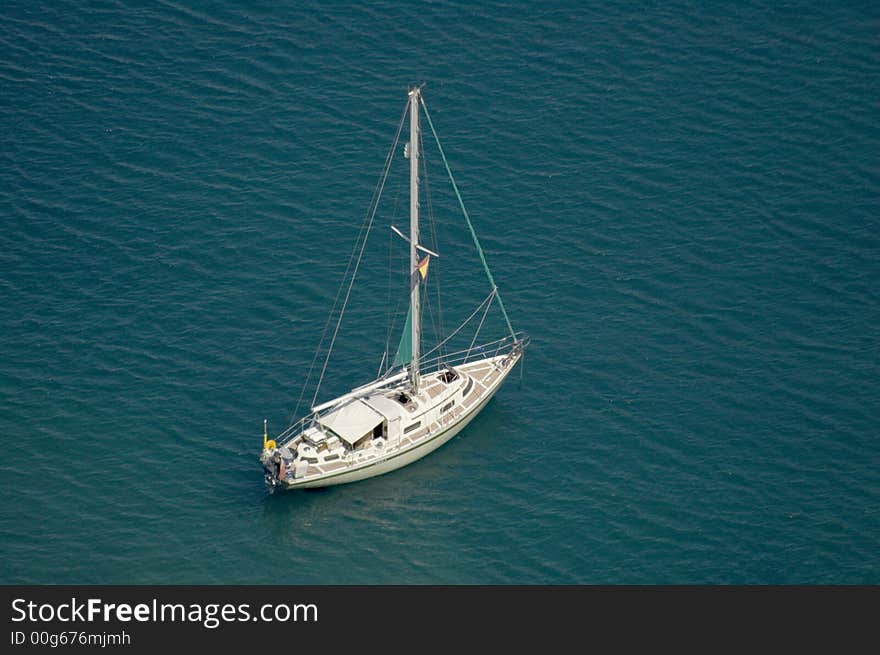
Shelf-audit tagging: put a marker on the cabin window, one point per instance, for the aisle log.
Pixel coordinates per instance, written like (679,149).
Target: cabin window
(410,428)
(447,406)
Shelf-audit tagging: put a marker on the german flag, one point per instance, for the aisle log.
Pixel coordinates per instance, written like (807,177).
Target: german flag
(423,266)
(421,271)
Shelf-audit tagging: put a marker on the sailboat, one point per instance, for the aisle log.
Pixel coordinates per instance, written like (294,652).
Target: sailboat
(419,403)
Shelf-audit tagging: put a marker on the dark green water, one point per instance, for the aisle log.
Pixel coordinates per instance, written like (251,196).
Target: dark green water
(679,203)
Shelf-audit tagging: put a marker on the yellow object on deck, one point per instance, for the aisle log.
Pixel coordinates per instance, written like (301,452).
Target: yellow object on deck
(267,442)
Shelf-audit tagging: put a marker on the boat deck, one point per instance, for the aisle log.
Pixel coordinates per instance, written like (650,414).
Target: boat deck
(483,375)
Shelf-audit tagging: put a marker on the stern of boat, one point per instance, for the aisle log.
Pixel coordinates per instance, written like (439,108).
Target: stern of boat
(277,458)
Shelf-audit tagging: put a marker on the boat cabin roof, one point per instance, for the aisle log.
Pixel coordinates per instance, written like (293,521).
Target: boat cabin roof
(352,421)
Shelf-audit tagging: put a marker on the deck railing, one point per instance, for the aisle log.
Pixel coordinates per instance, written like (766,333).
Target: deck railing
(490,349)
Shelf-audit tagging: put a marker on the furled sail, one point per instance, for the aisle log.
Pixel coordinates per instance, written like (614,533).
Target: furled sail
(404,350)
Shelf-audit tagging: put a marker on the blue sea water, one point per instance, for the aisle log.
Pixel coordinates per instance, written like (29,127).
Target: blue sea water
(679,202)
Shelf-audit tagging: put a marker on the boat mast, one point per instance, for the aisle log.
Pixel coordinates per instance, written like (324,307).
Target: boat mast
(414,95)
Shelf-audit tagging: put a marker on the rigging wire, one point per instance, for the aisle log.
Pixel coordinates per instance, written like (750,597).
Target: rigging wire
(372,216)
(477,333)
(391,316)
(328,322)
(439,331)
(467,217)
(466,321)
(499,343)
(363,234)
(422,161)
(357,255)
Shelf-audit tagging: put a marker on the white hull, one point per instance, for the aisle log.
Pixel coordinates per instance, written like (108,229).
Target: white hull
(396,419)
(399,458)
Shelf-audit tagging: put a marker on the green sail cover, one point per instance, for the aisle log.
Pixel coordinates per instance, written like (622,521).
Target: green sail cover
(404,350)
